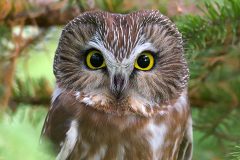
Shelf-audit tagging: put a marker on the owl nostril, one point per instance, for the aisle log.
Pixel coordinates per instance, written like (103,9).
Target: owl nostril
(118,83)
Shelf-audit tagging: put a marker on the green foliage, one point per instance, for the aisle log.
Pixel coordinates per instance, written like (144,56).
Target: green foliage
(82,4)
(32,91)
(5,33)
(235,154)
(212,48)
(219,25)
(37,60)
(19,136)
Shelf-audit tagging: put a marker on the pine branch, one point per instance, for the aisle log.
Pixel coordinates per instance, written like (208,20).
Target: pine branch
(20,45)
(220,24)
(235,154)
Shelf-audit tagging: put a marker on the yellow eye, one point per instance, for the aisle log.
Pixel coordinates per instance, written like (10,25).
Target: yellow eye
(144,62)
(95,60)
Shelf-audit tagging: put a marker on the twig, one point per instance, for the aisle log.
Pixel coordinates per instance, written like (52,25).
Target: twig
(60,15)
(20,46)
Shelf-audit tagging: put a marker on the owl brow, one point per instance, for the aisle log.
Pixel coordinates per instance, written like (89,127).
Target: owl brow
(105,52)
(139,48)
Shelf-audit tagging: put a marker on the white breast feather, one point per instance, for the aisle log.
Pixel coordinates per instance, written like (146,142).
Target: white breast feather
(158,135)
(69,142)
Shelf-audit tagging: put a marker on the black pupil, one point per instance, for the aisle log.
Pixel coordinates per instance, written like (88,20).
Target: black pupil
(143,61)
(96,60)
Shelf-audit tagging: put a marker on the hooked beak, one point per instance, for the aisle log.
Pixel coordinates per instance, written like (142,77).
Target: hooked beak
(118,84)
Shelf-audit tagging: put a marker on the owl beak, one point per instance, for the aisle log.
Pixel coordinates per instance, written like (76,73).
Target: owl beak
(118,84)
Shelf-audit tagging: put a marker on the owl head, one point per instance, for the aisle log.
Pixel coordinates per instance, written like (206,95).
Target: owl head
(122,63)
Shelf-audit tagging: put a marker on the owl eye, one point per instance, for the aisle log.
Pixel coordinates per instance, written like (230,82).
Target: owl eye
(95,60)
(144,62)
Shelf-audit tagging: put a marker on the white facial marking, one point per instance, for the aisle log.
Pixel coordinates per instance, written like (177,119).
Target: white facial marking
(108,56)
(69,142)
(139,48)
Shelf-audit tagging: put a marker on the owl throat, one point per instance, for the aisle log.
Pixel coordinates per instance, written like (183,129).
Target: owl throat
(131,104)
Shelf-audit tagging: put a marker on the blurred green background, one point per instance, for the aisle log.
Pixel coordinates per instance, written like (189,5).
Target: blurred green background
(29,34)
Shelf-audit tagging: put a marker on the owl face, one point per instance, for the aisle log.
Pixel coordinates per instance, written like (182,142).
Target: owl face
(122,63)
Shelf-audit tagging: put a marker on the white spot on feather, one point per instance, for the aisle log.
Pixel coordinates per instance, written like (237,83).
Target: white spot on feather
(88,101)
(69,142)
(77,94)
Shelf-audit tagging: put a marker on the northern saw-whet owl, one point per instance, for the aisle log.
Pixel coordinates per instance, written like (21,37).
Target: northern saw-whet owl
(121,89)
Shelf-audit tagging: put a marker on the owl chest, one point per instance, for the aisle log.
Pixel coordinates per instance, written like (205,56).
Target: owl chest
(141,140)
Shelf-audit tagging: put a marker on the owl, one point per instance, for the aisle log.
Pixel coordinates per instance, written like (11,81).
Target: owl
(121,89)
